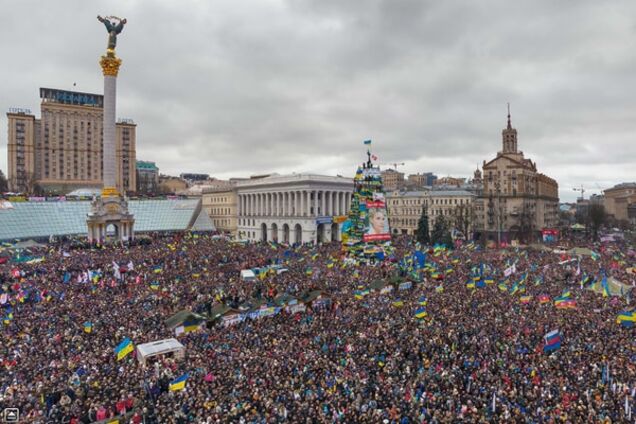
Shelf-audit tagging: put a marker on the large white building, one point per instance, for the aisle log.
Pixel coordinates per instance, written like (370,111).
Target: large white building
(299,208)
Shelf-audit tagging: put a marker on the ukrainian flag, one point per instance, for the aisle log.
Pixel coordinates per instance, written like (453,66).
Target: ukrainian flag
(420,312)
(422,301)
(502,286)
(157,269)
(439,289)
(189,326)
(606,290)
(309,271)
(124,348)
(88,326)
(489,280)
(398,303)
(470,285)
(627,318)
(179,383)
(154,285)
(358,294)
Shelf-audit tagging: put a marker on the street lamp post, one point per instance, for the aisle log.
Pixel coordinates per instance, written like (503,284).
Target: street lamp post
(498,189)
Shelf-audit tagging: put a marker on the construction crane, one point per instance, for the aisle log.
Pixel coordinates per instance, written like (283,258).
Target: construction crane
(395,165)
(582,190)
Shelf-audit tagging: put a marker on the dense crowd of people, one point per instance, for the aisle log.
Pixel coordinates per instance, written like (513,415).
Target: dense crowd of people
(477,355)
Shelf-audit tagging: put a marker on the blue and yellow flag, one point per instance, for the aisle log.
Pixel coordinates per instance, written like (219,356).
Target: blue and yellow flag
(627,318)
(422,301)
(124,348)
(439,289)
(88,327)
(189,326)
(605,285)
(179,383)
(157,269)
(154,285)
(420,312)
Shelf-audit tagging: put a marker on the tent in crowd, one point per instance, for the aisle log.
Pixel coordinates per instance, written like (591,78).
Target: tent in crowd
(182,317)
(27,244)
(377,285)
(583,251)
(316,297)
(285,299)
(616,288)
(220,310)
(248,275)
(540,247)
(160,347)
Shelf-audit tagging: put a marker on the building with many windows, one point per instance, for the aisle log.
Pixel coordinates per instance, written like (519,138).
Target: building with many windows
(517,201)
(63,150)
(298,208)
(418,180)
(392,180)
(405,209)
(221,205)
(147,177)
(619,199)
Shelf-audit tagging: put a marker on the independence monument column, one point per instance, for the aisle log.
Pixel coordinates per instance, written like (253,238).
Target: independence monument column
(111,207)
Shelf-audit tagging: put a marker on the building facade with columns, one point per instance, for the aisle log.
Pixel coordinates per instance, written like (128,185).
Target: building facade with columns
(298,208)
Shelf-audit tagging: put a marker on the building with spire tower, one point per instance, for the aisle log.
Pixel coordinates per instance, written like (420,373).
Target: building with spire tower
(517,202)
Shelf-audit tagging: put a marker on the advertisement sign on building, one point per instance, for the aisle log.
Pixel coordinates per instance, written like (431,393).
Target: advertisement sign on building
(324,220)
(376,220)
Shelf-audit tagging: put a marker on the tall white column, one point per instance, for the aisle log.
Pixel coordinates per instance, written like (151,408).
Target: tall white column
(296,203)
(302,204)
(323,202)
(110,99)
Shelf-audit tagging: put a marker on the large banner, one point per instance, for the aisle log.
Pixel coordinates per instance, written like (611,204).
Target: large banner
(376,219)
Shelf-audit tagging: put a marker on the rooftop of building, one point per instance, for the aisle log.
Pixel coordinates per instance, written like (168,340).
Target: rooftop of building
(293,178)
(147,165)
(451,193)
(22,220)
(622,186)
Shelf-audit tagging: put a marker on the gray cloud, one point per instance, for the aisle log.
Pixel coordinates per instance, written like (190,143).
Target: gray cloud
(236,88)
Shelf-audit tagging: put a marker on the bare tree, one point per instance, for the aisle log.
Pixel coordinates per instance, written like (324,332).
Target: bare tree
(464,217)
(4,184)
(598,217)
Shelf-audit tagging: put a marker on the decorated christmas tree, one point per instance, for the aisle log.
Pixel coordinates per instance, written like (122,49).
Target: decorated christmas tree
(366,232)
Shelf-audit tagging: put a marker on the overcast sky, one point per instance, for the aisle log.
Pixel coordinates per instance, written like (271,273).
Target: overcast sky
(234,88)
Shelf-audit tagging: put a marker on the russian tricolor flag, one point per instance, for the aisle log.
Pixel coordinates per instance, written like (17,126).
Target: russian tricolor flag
(552,341)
